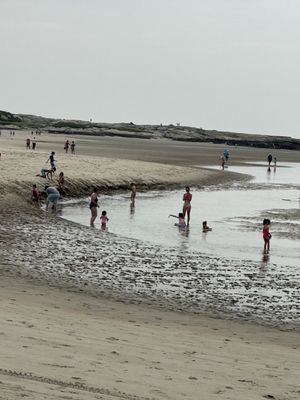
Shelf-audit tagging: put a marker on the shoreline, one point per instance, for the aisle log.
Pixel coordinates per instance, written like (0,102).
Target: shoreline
(79,319)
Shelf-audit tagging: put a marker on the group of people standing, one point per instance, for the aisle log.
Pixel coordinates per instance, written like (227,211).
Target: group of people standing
(67,145)
(31,143)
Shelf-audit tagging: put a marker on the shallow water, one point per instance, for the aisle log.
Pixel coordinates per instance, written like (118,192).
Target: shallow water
(235,216)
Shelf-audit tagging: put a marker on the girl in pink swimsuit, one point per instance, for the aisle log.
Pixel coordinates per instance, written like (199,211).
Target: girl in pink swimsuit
(266,235)
(187,198)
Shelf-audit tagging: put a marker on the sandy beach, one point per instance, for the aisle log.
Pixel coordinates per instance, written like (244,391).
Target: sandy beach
(73,330)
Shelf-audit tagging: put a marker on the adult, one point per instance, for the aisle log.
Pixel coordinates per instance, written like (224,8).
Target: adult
(226,154)
(133,194)
(52,197)
(94,205)
(269,158)
(187,198)
(27,143)
(33,143)
(66,146)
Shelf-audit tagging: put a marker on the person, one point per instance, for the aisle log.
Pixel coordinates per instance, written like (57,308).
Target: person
(223,162)
(36,196)
(205,227)
(275,161)
(133,193)
(46,173)
(181,221)
(104,219)
(33,143)
(28,144)
(266,235)
(52,161)
(187,198)
(270,158)
(66,147)
(61,181)
(73,147)
(94,205)
(226,154)
(52,196)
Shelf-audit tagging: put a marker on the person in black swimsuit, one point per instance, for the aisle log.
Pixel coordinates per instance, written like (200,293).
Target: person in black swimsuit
(93,206)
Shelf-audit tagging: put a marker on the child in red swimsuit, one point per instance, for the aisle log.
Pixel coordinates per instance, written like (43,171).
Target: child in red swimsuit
(266,235)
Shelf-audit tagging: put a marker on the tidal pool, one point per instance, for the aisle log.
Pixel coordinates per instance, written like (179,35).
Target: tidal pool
(235,216)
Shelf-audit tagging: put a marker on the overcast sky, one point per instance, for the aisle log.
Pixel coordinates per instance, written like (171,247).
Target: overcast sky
(217,64)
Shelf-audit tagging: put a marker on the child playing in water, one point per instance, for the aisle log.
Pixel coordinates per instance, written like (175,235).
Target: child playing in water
(181,221)
(266,235)
(205,227)
(103,219)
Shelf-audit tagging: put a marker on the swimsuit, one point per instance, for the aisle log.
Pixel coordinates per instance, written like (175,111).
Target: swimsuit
(94,204)
(187,197)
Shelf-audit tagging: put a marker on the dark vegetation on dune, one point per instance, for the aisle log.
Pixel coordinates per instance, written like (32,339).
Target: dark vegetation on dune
(172,132)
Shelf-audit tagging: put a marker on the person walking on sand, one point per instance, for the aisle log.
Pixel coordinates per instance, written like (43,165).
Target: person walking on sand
(33,143)
(266,235)
(187,198)
(52,161)
(28,144)
(66,147)
(93,206)
(73,147)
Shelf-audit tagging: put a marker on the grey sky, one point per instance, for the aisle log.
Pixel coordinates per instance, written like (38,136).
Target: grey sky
(219,64)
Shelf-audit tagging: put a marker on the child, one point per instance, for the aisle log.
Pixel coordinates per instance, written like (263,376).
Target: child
(61,181)
(181,221)
(104,219)
(266,235)
(205,227)
(35,196)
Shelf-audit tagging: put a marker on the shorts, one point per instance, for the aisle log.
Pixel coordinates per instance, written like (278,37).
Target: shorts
(53,198)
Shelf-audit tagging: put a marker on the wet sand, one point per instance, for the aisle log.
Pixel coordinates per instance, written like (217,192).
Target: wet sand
(69,333)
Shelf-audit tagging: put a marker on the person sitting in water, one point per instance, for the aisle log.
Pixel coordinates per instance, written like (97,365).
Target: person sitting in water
(205,227)
(181,221)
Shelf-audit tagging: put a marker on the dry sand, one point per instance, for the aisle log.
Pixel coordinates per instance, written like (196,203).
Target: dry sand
(62,344)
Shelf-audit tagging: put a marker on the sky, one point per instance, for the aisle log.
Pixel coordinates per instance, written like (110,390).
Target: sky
(217,64)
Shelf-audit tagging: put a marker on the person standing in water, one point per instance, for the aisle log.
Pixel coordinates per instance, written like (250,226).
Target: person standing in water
(187,198)
(270,158)
(104,220)
(266,235)
(133,194)
(93,206)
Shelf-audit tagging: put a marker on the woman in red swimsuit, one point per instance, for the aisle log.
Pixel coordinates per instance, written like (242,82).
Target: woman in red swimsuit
(187,198)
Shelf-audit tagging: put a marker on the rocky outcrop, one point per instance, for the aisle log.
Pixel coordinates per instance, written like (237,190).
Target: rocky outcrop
(172,132)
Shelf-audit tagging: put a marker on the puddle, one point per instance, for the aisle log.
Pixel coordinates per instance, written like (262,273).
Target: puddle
(234,215)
